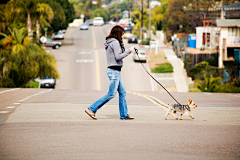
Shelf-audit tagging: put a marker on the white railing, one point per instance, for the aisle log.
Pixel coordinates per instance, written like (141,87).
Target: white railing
(232,41)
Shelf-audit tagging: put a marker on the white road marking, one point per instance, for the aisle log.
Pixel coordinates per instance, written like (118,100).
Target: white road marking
(85,52)
(9,90)
(4,111)
(84,60)
(21,100)
(11,107)
(16,103)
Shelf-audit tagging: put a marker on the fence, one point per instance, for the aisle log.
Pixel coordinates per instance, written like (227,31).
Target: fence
(192,59)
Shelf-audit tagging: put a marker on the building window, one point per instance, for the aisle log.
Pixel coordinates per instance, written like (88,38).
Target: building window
(232,31)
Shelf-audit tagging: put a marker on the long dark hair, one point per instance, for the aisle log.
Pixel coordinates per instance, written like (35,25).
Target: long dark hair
(117,32)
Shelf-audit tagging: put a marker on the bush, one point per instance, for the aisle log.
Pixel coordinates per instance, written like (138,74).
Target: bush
(145,42)
(209,84)
(228,88)
(213,61)
(196,71)
(33,84)
(163,68)
(231,67)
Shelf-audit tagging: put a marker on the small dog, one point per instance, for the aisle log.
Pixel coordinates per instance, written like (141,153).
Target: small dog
(181,109)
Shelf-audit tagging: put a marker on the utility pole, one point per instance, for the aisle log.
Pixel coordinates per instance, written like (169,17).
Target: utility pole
(128,9)
(116,11)
(149,24)
(141,22)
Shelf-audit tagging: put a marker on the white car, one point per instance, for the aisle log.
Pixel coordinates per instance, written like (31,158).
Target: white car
(47,82)
(58,35)
(140,57)
(98,21)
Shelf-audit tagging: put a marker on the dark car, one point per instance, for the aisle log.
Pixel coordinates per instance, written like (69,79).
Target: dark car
(133,39)
(53,44)
(89,22)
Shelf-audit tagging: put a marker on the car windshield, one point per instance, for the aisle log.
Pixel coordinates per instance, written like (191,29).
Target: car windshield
(49,40)
(58,33)
(128,31)
(47,77)
(89,20)
(98,19)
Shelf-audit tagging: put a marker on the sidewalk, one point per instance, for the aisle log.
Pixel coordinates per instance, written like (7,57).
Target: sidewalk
(179,74)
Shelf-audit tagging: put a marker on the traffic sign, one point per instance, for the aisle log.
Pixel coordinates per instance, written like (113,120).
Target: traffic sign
(43,39)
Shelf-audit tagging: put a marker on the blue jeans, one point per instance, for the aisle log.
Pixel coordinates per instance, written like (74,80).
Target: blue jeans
(116,84)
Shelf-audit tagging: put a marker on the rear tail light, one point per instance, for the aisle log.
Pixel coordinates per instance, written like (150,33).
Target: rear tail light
(136,39)
(129,39)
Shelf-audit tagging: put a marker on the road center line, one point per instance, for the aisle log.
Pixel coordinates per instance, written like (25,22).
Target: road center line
(154,100)
(97,71)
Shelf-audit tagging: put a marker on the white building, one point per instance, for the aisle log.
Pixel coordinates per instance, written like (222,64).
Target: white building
(207,37)
(229,32)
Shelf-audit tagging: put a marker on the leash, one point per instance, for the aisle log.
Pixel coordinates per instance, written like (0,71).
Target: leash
(154,78)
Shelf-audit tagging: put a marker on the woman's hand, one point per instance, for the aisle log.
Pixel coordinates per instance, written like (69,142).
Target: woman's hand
(132,49)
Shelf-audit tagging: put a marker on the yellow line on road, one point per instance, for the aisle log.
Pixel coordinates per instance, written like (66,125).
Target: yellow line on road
(154,100)
(97,71)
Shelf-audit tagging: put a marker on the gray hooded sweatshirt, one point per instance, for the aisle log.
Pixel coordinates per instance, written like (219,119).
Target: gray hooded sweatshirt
(114,52)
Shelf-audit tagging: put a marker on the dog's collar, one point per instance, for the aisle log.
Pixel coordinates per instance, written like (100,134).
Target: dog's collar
(187,107)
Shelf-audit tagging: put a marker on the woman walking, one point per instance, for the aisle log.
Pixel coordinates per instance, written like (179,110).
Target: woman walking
(115,52)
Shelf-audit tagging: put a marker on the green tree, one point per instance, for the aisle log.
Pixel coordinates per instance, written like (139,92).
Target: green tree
(210,84)
(100,13)
(158,14)
(137,15)
(44,14)
(178,19)
(23,60)
(68,11)
(59,20)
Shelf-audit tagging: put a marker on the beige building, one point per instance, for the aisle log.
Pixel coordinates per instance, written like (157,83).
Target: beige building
(229,39)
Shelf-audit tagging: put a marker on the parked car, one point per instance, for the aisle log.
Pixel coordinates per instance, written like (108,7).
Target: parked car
(53,44)
(84,26)
(127,31)
(98,21)
(47,82)
(142,56)
(89,22)
(58,35)
(133,39)
(64,31)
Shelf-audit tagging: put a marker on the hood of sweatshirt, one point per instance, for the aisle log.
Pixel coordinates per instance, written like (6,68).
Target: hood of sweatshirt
(108,42)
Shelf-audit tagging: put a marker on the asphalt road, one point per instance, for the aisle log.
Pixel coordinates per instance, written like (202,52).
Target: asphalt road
(82,62)
(51,123)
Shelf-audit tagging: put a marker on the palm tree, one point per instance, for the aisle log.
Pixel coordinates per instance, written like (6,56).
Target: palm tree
(138,16)
(44,14)
(209,84)
(26,59)
(29,7)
